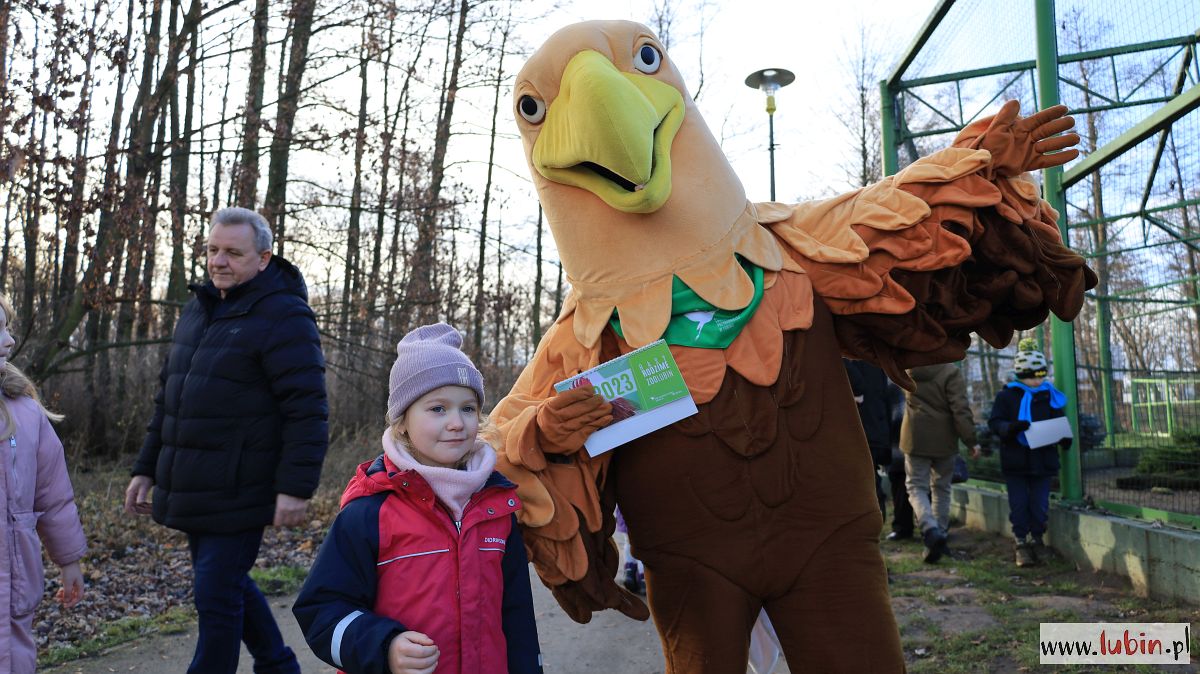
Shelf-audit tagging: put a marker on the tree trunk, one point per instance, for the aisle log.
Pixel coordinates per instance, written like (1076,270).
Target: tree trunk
(149,247)
(131,227)
(274,201)
(487,195)
(75,207)
(419,288)
(8,222)
(180,159)
(499,304)
(351,281)
(537,286)
(396,324)
(390,121)
(247,186)
(220,170)
(558,291)
(5,158)
(33,202)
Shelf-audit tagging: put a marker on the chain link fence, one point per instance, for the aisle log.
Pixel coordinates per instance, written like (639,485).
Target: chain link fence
(1130,75)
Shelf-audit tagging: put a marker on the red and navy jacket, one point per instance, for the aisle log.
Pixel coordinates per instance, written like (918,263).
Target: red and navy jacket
(394,560)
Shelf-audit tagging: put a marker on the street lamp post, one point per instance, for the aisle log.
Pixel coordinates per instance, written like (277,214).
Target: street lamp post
(769,81)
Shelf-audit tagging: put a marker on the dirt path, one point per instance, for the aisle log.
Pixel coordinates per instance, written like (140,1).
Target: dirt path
(566,646)
(974,612)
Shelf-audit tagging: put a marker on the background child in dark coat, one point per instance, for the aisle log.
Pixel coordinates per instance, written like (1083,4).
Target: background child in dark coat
(1028,470)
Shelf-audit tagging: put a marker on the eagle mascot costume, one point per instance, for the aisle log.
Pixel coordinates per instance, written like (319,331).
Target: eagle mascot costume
(764,499)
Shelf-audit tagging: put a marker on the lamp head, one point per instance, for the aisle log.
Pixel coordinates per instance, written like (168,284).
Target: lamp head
(770,80)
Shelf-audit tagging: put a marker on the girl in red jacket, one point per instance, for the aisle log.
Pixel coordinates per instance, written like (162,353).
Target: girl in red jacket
(424,569)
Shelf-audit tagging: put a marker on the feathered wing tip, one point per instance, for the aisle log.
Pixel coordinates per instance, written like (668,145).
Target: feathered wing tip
(644,305)
(949,252)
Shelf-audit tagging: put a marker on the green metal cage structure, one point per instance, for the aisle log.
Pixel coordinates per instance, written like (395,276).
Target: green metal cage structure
(1130,75)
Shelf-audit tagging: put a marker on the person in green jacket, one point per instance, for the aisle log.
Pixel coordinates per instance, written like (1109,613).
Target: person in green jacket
(936,417)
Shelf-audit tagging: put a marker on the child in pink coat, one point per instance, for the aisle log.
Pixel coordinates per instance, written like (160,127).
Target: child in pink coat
(38,502)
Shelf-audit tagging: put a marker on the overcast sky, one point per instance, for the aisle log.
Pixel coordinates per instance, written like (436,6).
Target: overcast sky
(743,36)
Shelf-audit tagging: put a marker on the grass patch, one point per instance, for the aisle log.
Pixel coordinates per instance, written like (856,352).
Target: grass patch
(968,652)
(279,580)
(907,563)
(927,626)
(904,588)
(119,632)
(996,572)
(1003,607)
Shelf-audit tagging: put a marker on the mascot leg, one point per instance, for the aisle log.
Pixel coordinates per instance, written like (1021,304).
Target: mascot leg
(838,617)
(765,496)
(703,619)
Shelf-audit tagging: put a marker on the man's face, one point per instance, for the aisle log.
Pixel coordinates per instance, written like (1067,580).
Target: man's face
(232,259)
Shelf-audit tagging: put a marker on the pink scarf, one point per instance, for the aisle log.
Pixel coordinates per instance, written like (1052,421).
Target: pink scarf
(453,487)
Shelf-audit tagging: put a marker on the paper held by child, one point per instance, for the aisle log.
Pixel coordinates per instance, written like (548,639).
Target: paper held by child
(646,390)
(1048,432)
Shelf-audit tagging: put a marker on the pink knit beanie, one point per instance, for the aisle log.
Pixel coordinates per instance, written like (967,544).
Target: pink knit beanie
(427,358)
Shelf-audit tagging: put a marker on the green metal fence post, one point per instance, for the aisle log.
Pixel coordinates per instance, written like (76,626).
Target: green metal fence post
(1170,406)
(1133,409)
(1104,346)
(887,111)
(1062,334)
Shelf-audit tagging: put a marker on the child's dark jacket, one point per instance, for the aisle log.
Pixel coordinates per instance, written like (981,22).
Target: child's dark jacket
(1015,458)
(394,560)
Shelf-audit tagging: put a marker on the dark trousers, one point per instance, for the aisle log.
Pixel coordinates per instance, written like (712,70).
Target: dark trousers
(232,609)
(880,496)
(902,512)
(1028,504)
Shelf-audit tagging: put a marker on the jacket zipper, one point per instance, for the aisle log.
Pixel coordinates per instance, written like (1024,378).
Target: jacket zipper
(12,444)
(458,567)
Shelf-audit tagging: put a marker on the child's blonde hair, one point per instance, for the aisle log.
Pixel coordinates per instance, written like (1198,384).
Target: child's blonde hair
(14,383)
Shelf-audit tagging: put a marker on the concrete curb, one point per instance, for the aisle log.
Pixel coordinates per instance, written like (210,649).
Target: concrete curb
(1159,561)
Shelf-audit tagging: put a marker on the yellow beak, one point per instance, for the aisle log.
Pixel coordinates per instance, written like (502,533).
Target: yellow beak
(610,132)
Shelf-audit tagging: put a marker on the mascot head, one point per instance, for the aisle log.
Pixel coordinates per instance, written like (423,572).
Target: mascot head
(635,188)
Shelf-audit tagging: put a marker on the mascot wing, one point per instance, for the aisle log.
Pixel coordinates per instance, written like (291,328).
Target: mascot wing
(957,242)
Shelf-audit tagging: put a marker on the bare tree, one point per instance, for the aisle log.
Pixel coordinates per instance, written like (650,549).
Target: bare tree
(285,119)
(350,282)
(862,61)
(419,292)
(505,29)
(247,182)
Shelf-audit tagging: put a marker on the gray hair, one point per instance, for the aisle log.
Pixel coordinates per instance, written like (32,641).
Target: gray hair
(235,215)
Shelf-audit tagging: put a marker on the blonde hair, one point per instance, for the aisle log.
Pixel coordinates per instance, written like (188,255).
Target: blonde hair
(14,383)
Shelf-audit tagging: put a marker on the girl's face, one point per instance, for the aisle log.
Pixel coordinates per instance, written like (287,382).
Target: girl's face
(1033,382)
(6,340)
(441,426)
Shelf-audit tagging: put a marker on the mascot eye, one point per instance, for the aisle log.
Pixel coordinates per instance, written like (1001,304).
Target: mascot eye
(532,109)
(647,59)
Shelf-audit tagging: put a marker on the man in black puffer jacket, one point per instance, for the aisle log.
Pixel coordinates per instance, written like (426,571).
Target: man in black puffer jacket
(239,433)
